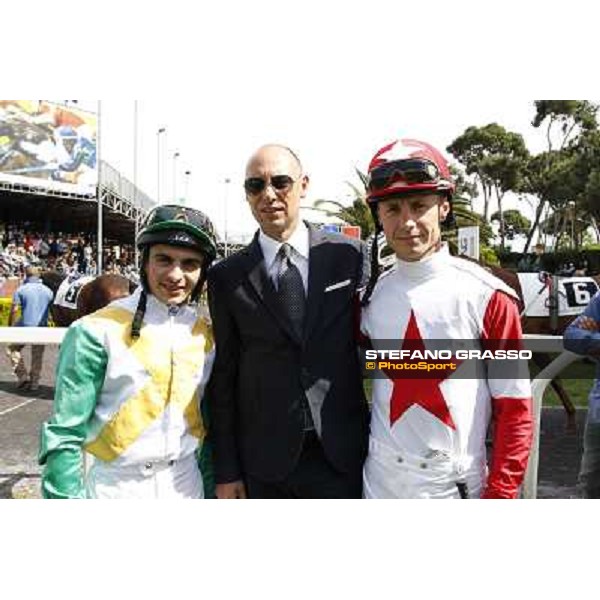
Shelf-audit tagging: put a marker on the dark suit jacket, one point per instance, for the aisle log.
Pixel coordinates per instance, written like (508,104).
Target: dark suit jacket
(262,369)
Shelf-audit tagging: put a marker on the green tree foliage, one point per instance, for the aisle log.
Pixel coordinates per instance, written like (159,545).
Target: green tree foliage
(466,190)
(566,171)
(488,256)
(514,222)
(568,224)
(462,207)
(569,115)
(589,167)
(357,213)
(465,217)
(497,158)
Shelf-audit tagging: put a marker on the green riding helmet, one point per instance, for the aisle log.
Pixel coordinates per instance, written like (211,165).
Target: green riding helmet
(179,226)
(174,225)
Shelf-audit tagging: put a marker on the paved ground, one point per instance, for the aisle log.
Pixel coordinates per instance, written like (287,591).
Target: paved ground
(21,414)
(560,454)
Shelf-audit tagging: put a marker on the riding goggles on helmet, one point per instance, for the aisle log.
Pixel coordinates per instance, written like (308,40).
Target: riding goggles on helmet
(171,217)
(172,212)
(409,171)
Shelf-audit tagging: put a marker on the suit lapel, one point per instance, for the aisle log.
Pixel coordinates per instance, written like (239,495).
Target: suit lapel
(318,271)
(263,286)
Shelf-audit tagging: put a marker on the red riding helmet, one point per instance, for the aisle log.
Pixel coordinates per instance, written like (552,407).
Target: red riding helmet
(407,166)
(403,167)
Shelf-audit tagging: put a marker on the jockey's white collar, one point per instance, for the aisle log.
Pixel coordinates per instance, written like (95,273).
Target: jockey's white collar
(426,267)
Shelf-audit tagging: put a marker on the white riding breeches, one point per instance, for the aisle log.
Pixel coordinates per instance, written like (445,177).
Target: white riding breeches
(154,479)
(387,474)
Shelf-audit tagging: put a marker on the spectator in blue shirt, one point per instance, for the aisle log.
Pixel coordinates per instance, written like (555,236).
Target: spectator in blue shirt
(583,337)
(34,298)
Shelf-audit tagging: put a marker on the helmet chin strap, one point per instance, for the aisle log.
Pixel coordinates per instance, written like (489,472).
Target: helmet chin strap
(438,242)
(440,218)
(138,318)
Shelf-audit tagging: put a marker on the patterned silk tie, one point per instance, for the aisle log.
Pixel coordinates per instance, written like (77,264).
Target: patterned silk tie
(292,298)
(291,289)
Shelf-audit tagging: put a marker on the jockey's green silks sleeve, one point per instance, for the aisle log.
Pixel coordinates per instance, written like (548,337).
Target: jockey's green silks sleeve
(205,459)
(79,378)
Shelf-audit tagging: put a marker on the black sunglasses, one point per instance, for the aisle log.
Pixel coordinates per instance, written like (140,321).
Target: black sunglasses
(256,185)
(414,170)
(173,212)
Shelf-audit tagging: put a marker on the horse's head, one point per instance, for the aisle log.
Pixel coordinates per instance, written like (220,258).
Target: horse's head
(52,279)
(92,296)
(101,291)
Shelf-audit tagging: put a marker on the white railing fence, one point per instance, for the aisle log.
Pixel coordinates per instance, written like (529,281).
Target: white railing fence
(535,343)
(32,335)
(547,344)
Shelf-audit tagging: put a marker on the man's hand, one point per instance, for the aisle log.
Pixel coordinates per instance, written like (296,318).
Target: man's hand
(587,323)
(230,491)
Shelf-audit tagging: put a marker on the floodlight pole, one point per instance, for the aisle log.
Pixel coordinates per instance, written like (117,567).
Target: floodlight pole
(135,183)
(98,187)
(187,186)
(160,131)
(175,157)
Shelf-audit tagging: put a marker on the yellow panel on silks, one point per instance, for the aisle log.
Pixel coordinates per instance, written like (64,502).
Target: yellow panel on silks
(172,370)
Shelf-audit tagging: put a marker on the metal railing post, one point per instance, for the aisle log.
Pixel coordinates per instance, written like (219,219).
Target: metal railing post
(538,387)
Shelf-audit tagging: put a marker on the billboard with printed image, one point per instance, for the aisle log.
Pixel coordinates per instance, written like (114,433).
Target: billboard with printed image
(48,144)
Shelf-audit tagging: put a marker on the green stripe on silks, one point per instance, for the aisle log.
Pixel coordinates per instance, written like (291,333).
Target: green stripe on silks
(205,461)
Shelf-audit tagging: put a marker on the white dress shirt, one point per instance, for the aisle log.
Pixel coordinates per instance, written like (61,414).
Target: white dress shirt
(299,242)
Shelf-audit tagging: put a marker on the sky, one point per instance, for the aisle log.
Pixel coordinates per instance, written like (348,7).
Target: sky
(202,148)
(335,85)
(333,137)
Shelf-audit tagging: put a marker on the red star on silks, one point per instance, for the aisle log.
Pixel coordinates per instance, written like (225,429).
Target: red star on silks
(426,391)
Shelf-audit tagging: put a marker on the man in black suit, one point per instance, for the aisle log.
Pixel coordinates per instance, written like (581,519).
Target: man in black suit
(288,414)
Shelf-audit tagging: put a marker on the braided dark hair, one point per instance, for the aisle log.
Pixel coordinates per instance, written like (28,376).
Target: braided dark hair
(138,318)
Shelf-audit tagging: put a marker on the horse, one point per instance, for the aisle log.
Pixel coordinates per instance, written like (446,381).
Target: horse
(75,298)
(576,292)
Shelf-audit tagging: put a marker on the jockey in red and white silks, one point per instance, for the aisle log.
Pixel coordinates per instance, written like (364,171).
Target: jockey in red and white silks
(428,433)
(422,447)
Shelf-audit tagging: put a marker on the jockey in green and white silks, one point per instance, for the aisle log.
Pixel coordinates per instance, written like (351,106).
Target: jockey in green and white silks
(131,377)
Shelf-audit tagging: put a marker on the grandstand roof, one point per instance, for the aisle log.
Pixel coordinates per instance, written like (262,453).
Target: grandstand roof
(53,214)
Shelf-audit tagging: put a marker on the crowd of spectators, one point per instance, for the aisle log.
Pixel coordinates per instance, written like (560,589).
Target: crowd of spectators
(64,253)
